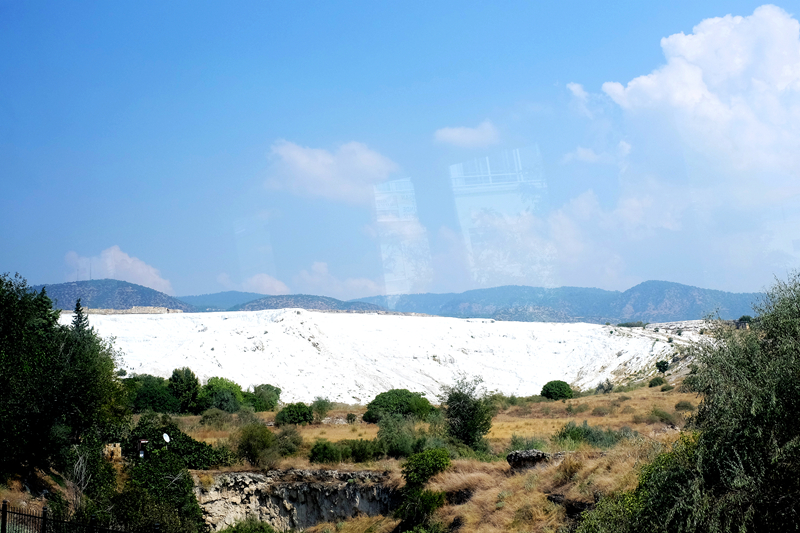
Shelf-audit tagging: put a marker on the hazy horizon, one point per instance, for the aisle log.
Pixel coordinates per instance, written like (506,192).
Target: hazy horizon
(359,149)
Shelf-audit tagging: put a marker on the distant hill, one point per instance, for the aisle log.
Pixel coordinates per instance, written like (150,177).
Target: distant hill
(109,294)
(305,301)
(220,301)
(651,301)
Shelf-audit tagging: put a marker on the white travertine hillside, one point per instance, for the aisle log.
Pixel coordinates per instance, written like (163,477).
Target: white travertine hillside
(352,357)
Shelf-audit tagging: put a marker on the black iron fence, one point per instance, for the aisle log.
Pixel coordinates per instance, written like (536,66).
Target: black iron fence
(15,520)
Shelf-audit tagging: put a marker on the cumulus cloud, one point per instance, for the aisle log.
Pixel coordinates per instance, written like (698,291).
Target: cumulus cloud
(260,283)
(113,263)
(346,174)
(485,134)
(318,280)
(580,99)
(731,90)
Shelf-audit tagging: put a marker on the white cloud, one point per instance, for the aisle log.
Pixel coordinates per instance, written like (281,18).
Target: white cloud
(580,99)
(346,174)
(318,280)
(731,91)
(113,263)
(485,134)
(260,283)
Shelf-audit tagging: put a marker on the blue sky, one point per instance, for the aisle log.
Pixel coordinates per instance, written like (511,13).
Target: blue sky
(195,147)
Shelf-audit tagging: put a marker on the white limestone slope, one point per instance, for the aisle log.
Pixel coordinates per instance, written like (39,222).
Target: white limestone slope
(352,357)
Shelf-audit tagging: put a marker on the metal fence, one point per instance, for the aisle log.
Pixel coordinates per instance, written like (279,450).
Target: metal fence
(30,521)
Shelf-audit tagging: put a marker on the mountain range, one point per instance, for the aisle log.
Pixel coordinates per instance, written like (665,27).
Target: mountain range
(651,301)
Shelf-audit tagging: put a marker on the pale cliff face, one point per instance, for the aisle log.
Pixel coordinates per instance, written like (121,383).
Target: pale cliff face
(294,499)
(351,358)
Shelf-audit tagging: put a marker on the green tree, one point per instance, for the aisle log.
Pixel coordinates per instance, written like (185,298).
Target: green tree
(557,390)
(57,385)
(151,393)
(662,366)
(321,406)
(739,467)
(185,387)
(221,393)
(468,411)
(265,397)
(401,402)
(294,413)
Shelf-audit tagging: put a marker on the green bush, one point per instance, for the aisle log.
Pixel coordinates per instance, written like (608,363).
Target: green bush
(325,451)
(684,405)
(254,443)
(666,388)
(397,436)
(420,467)
(216,418)
(296,414)
(265,397)
(397,402)
(656,382)
(601,410)
(638,324)
(362,450)
(351,418)
(575,409)
(662,366)
(288,440)
(185,387)
(557,390)
(417,507)
(468,411)
(525,443)
(594,436)
(221,393)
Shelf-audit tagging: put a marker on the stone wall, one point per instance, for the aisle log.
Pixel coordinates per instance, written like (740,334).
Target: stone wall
(291,499)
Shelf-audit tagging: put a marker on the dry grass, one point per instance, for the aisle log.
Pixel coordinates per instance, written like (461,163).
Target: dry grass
(374,524)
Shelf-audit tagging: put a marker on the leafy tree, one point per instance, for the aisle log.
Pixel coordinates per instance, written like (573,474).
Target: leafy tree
(221,393)
(151,393)
(295,413)
(662,366)
(739,468)
(557,390)
(468,411)
(264,397)
(397,402)
(321,406)
(185,387)
(58,384)
(255,442)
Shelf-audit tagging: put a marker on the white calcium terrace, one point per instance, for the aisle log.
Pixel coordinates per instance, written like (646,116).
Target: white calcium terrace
(352,357)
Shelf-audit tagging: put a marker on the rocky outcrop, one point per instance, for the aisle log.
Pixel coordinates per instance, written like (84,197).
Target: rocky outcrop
(522,459)
(292,499)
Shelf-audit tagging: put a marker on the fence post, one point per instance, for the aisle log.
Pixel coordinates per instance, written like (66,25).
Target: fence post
(4,518)
(44,518)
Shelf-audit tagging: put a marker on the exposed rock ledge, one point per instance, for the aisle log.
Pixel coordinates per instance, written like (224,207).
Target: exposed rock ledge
(291,499)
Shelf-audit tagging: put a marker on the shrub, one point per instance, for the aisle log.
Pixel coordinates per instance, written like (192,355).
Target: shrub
(351,418)
(662,366)
(288,440)
(417,507)
(265,397)
(656,381)
(601,410)
(221,393)
(604,387)
(557,390)
(254,443)
(575,409)
(216,418)
(420,467)
(295,413)
(594,436)
(320,407)
(468,411)
(397,402)
(246,415)
(363,450)
(638,324)
(325,451)
(662,416)
(667,388)
(684,405)
(397,436)
(525,443)
(151,393)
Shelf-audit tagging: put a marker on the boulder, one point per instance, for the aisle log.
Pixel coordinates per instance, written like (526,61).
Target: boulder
(522,459)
